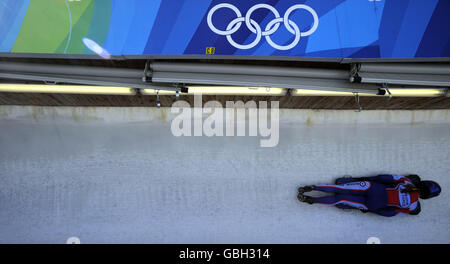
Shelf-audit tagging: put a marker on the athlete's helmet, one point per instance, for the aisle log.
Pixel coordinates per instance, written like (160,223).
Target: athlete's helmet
(429,189)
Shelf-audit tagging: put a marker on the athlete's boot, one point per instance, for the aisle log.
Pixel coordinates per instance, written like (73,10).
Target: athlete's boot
(305,198)
(305,189)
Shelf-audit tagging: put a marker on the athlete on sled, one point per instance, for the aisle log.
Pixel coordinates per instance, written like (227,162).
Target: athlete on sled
(386,194)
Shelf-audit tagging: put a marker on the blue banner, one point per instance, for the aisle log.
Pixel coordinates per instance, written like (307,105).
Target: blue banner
(293,28)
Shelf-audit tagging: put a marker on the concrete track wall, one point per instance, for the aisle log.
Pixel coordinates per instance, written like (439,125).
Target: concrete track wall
(117,175)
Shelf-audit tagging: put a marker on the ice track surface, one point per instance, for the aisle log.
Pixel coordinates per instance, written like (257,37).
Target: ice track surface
(117,175)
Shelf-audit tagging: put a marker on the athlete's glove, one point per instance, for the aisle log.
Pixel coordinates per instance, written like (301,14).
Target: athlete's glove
(361,179)
(344,180)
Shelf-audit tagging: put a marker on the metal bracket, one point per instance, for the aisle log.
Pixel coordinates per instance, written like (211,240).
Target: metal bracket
(354,77)
(357,102)
(385,87)
(184,89)
(158,102)
(289,92)
(181,88)
(177,91)
(147,73)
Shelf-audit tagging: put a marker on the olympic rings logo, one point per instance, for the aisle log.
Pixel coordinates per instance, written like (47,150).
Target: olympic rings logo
(271,27)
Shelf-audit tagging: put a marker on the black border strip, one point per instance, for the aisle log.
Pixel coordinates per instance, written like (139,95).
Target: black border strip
(278,253)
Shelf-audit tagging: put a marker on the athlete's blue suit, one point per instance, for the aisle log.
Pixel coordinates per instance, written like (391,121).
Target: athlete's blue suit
(379,194)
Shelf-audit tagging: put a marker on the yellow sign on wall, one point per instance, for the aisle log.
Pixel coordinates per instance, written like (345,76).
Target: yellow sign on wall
(210,50)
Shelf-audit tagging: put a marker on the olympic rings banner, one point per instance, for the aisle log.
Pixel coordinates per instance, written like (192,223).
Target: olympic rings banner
(292,28)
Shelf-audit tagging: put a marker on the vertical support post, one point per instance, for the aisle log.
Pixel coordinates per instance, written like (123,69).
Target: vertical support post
(357,101)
